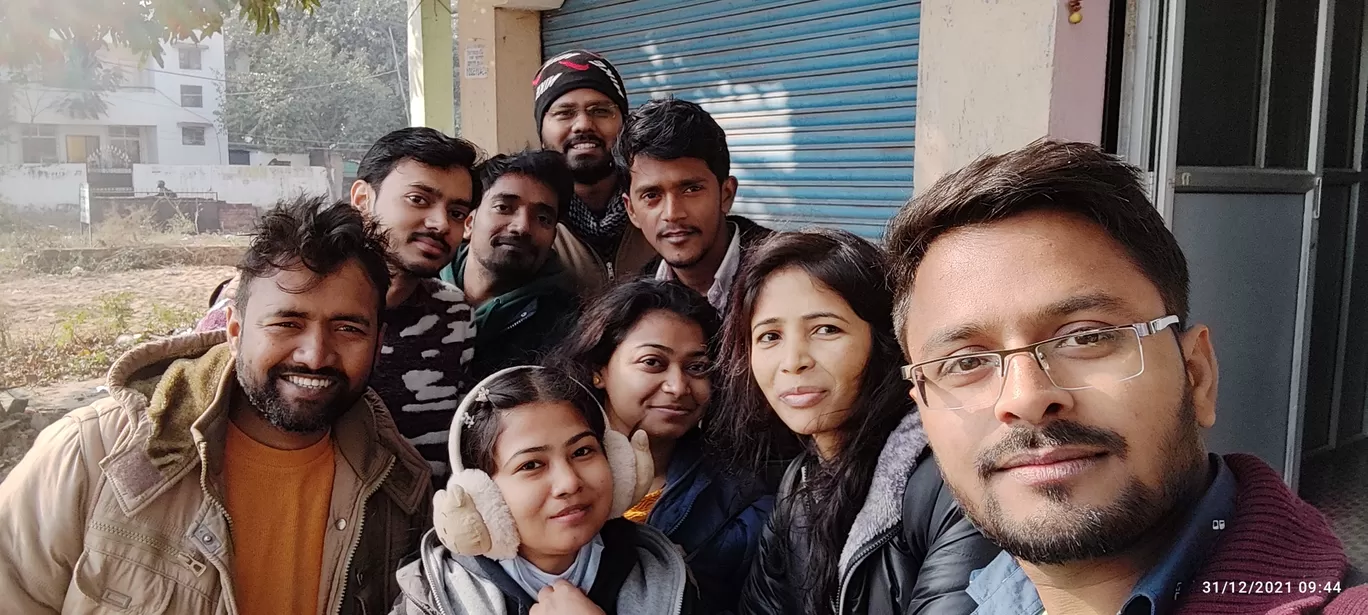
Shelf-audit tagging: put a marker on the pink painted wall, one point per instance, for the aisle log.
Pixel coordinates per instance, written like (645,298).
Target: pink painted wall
(1080,73)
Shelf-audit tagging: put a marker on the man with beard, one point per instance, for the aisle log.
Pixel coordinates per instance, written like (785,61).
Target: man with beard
(125,505)
(679,193)
(579,106)
(417,184)
(1078,449)
(523,296)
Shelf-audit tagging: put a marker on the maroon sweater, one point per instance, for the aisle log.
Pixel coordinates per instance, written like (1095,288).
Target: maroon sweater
(1275,537)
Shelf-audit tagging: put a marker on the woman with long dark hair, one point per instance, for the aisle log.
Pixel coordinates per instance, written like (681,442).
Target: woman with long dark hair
(647,347)
(863,523)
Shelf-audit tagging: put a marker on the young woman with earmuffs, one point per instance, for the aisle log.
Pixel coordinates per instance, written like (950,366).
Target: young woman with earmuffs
(646,348)
(530,520)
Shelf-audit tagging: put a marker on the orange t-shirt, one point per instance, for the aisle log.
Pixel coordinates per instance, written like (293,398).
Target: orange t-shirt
(278,501)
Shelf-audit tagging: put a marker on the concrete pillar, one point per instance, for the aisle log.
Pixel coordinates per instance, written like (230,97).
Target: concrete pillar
(997,74)
(431,71)
(500,45)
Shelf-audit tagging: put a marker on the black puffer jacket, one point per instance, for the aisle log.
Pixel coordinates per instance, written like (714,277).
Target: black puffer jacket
(910,550)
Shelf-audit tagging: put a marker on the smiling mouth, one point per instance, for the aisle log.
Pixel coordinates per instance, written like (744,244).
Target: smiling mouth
(572,512)
(312,383)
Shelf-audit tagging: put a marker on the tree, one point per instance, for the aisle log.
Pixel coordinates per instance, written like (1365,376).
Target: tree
(305,92)
(35,32)
(367,38)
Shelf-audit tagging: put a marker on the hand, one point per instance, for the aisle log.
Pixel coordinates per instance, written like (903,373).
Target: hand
(458,522)
(645,465)
(562,598)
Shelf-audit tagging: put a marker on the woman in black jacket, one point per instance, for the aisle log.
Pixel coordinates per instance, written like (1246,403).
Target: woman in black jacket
(863,523)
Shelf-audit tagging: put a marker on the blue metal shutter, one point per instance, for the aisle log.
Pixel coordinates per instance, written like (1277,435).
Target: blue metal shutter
(818,98)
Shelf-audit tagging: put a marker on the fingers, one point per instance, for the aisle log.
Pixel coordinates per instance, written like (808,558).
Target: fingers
(645,466)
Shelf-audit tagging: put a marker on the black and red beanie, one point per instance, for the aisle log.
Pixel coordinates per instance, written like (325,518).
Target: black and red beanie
(573,70)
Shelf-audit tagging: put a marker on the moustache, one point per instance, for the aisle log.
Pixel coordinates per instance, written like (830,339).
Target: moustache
(671,229)
(1055,434)
(514,241)
(433,236)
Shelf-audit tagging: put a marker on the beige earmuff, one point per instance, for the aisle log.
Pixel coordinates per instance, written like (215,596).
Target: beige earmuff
(471,516)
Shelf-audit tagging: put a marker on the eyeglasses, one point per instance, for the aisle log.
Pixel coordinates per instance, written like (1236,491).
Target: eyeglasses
(1083,360)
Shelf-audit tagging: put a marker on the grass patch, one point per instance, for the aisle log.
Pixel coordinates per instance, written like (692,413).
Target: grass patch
(84,341)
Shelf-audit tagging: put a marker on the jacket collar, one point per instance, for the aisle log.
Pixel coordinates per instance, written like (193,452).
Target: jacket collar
(882,508)
(552,278)
(176,393)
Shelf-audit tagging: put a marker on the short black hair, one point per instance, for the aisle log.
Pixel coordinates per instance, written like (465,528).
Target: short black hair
(546,166)
(321,236)
(1072,177)
(421,144)
(670,129)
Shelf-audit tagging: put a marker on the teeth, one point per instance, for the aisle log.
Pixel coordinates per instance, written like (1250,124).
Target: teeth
(309,383)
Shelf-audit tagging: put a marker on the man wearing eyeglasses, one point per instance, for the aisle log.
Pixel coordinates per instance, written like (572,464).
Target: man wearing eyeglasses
(580,103)
(1042,306)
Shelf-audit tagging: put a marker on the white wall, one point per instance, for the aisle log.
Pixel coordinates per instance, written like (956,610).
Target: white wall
(41,186)
(261,186)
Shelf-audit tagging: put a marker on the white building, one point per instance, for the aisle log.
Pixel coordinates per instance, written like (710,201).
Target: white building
(159,114)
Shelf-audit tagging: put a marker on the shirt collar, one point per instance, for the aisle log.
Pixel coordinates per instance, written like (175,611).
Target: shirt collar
(726,271)
(1002,587)
(1157,591)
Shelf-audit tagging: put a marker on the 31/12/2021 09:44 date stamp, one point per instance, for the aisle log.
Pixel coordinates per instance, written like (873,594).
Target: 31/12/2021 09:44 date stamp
(1267,587)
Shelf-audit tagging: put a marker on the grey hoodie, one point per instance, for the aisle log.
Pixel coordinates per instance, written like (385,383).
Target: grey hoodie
(658,582)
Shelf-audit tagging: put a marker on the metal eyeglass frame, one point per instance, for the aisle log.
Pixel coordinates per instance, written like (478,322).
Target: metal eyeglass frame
(1141,329)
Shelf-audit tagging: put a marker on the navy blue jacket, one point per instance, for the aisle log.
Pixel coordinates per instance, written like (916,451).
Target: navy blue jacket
(717,519)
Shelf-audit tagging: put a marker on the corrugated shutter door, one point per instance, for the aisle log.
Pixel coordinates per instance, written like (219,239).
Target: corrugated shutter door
(818,98)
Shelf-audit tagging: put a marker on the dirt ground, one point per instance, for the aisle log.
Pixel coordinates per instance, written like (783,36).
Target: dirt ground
(34,305)
(58,335)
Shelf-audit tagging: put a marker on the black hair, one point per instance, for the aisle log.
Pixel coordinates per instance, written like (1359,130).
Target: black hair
(319,235)
(608,319)
(1077,178)
(516,388)
(546,166)
(746,426)
(670,129)
(420,144)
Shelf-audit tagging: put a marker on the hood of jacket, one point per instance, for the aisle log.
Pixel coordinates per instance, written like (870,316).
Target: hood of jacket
(882,510)
(176,391)
(457,585)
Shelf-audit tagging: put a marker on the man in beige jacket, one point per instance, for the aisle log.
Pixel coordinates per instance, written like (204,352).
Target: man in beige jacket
(241,471)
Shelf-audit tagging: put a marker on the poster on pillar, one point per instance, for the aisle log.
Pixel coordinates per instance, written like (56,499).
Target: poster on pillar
(475,67)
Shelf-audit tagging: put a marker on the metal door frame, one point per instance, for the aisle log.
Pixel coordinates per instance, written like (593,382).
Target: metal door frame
(1152,81)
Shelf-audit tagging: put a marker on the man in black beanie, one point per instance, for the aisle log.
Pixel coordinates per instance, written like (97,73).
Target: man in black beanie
(580,104)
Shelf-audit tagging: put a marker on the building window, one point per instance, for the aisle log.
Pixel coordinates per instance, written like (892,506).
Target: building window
(190,58)
(192,96)
(192,135)
(82,149)
(128,141)
(239,156)
(39,142)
